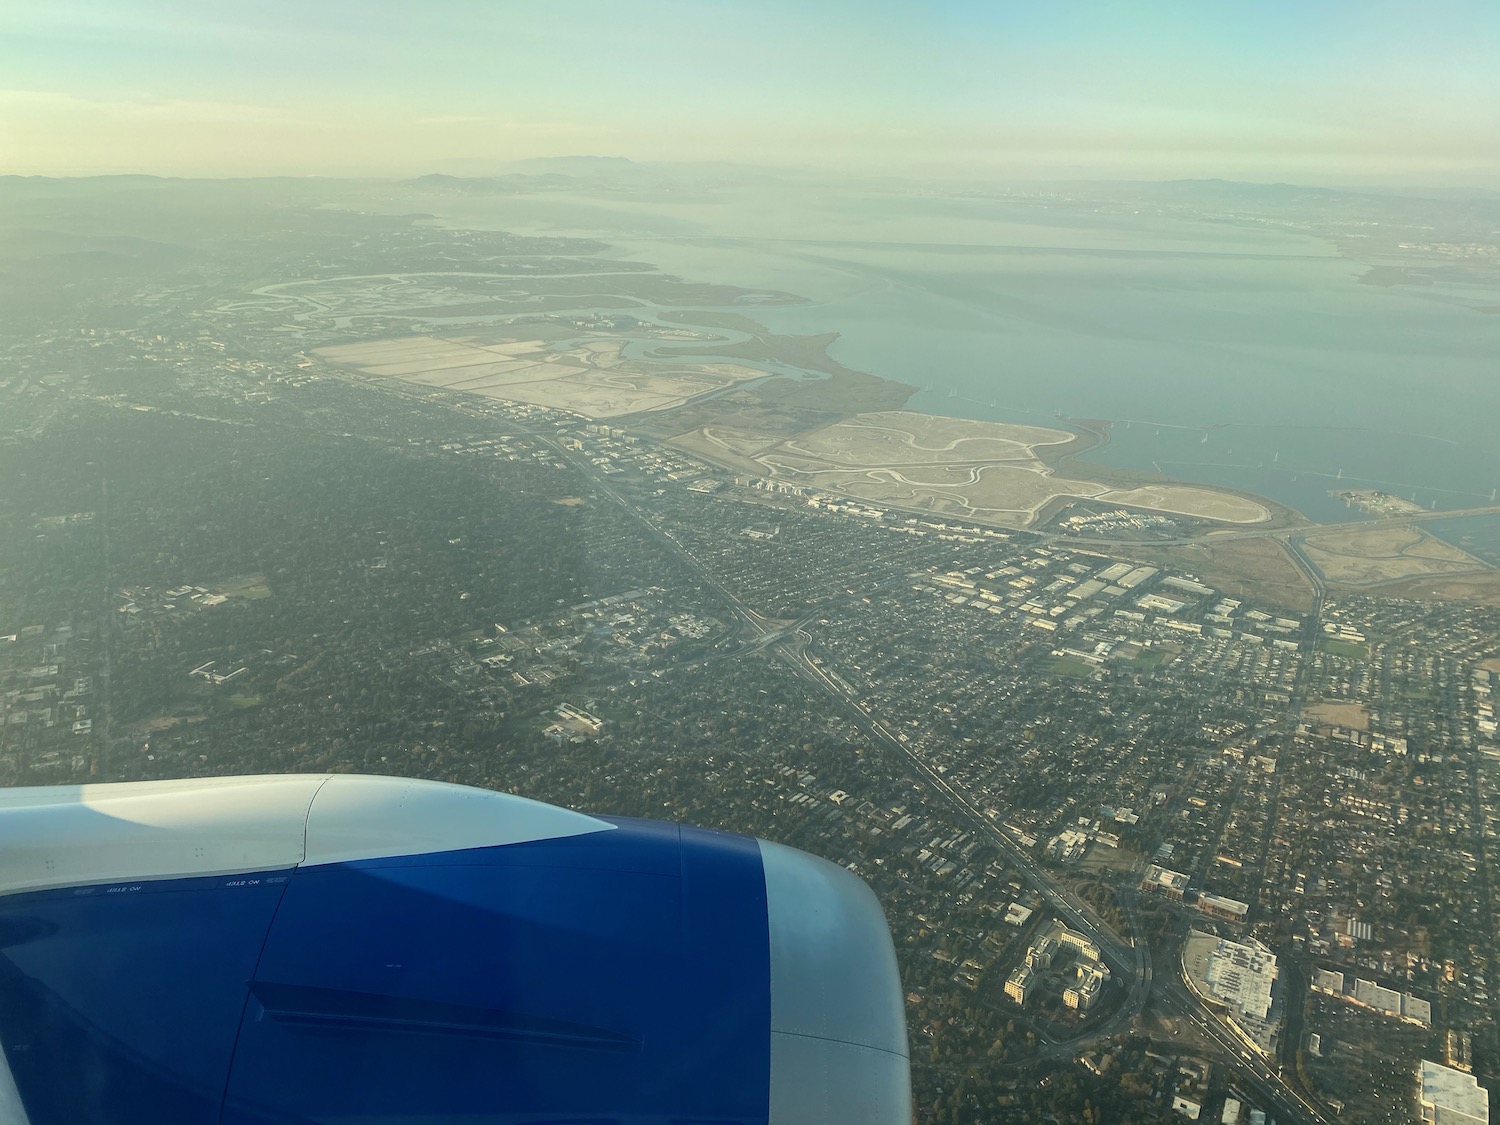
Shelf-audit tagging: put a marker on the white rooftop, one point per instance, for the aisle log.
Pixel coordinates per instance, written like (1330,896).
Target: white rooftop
(1451,1097)
(1241,976)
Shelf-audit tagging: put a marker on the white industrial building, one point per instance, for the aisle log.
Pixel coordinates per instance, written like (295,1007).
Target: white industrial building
(1451,1097)
(1239,980)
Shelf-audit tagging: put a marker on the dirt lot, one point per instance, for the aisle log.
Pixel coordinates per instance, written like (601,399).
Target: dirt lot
(1336,714)
(1481,588)
(588,378)
(1384,554)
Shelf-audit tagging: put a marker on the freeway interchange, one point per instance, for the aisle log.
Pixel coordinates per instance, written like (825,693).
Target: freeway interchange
(1128,959)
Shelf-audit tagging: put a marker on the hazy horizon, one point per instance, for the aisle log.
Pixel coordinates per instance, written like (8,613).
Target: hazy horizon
(1340,93)
(1477,187)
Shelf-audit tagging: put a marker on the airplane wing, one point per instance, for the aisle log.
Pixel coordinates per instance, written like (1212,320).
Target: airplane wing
(381,951)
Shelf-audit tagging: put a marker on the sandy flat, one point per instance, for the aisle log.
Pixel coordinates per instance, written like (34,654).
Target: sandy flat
(417,365)
(1384,554)
(1202,503)
(986,470)
(517,347)
(509,376)
(453,376)
(893,437)
(743,442)
(396,352)
(589,401)
(996,493)
(587,378)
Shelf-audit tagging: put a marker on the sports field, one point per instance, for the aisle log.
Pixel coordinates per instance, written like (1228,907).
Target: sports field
(1338,713)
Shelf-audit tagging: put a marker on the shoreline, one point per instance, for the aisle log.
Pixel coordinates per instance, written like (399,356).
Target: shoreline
(799,416)
(800,408)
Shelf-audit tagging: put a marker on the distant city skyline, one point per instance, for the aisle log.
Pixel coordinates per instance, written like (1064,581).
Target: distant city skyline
(1333,92)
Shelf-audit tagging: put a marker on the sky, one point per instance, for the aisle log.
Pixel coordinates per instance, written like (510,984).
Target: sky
(1313,91)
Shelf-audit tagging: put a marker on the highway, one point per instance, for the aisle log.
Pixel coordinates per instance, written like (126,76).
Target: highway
(1286,1104)
(772,635)
(1285,534)
(1127,959)
(1123,958)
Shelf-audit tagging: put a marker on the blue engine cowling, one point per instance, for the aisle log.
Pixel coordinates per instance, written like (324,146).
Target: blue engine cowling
(573,970)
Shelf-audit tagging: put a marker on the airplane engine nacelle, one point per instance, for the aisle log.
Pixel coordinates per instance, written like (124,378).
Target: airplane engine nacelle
(300,949)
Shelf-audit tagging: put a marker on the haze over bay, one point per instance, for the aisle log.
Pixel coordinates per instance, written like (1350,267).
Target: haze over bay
(1233,353)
